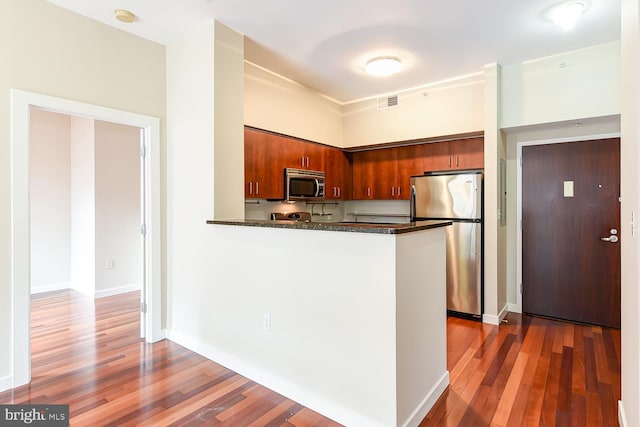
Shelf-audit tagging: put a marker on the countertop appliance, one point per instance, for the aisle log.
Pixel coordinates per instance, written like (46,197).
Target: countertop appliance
(291,216)
(456,197)
(302,184)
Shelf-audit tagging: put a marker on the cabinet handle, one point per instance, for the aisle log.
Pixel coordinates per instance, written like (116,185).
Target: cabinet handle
(257,188)
(398,191)
(339,191)
(449,161)
(250,187)
(393,191)
(368,191)
(457,161)
(307,161)
(302,161)
(335,192)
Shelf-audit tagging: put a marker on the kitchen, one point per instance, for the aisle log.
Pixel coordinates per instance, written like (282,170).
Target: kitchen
(195,168)
(448,120)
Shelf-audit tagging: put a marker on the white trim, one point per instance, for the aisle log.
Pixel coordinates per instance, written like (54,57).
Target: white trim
(427,403)
(6,383)
(329,409)
(21,102)
(496,320)
(117,291)
(622,417)
(521,144)
(50,287)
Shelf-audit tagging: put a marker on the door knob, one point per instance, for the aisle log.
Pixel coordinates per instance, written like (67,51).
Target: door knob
(612,239)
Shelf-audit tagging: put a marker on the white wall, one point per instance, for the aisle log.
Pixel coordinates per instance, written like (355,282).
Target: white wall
(228,124)
(190,168)
(83,225)
(280,105)
(451,107)
(630,186)
(50,178)
(572,85)
(117,208)
(82,60)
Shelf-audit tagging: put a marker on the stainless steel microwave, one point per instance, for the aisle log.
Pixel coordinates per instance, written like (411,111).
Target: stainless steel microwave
(301,184)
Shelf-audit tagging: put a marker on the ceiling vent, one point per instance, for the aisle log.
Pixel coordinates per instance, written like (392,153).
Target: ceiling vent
(387,102)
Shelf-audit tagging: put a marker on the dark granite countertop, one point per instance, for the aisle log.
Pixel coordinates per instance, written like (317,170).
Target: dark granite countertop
(352,227)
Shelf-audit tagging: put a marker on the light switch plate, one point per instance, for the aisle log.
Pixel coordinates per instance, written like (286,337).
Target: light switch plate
(568,189)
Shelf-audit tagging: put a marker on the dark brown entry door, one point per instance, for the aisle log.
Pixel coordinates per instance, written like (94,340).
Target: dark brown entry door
(568,271)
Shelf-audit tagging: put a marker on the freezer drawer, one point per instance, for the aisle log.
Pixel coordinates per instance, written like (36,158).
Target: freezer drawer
(464,256)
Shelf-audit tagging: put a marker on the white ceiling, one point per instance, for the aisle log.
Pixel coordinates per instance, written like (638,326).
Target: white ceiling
(324,45)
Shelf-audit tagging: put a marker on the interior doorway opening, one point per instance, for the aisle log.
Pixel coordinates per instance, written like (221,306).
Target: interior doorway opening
(22,102)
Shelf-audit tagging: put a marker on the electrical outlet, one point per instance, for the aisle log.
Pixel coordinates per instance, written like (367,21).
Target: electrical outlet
(266,322)
(109,264)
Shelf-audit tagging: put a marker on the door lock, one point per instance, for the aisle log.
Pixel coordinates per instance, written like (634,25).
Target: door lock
(613,238)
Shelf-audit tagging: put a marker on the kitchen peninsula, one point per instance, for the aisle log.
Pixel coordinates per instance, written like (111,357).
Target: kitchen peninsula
(347,319)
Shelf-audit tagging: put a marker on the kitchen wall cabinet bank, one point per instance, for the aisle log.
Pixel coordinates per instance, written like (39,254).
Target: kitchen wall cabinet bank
(376,174)
(266,155)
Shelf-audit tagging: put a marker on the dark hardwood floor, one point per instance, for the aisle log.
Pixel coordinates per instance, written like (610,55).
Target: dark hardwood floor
(529,371)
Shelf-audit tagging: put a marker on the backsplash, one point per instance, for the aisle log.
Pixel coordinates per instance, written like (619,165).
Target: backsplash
(321,211)
(394,211)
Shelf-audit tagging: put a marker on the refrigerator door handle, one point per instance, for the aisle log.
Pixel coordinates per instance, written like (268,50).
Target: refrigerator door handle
(412,204)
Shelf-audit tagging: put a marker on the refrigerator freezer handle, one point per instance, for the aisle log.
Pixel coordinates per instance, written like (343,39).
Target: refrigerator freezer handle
(412,204)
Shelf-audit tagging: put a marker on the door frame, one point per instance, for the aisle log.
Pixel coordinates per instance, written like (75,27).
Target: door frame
(521,144)
(21,103)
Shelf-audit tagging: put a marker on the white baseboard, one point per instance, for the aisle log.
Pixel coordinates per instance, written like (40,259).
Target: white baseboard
(425,406)
(493,319)
(622,417)
(6,383)
(116,291)
(49,287)
(290,390)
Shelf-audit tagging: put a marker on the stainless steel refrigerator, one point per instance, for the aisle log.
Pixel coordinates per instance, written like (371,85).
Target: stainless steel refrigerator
(456,197)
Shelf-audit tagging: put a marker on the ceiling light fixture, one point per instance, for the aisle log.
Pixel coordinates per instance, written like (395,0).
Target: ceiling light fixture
(566,15)
(124,15)
(383,66)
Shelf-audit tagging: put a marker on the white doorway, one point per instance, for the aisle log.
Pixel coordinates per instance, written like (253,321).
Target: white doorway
(22,102)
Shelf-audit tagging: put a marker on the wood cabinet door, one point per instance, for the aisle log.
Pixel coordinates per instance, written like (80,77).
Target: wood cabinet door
(268,172)
(249,137)
(287,152)
(437,156)
(362,173)
(469,153)
(314,156)
(384,174)
(336,167)
(410,162)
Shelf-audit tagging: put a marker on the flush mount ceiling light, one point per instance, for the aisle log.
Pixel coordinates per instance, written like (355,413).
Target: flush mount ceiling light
(124,15)
(383,66)
(566,15)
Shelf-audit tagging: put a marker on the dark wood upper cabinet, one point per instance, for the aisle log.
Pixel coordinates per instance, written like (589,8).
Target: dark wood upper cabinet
(362,175)
(263,180)
(454,155)
(410,161)
(337,174)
